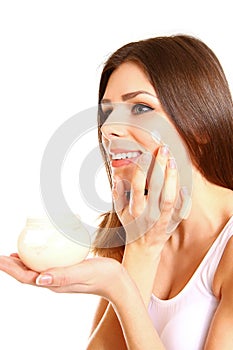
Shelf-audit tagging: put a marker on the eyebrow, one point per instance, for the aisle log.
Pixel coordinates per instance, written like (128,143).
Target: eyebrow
(129,95)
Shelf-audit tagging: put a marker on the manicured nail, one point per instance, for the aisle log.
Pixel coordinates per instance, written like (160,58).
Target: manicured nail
(164,150)
(44,280)
(172,163)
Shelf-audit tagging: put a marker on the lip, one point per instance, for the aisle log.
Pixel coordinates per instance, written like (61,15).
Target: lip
(121,150)
(116,163)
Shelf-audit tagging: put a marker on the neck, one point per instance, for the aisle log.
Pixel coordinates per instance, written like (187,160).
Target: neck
(212,206)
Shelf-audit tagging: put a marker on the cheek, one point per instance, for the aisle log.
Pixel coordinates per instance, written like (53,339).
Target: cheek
(150,130)
(148,142)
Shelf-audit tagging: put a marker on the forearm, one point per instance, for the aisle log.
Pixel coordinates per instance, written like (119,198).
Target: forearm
(126,319)
(138,329)
(109,334)
(126,324)
(142,264)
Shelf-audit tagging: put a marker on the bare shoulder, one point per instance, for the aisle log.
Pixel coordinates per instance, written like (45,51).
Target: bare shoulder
(224,273)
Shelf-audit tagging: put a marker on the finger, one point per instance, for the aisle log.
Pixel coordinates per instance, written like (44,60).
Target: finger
(17,270)
(15,255)
(185,209)
(169,192)
(138,185)
(66,276)
(119,195)
(71,288)
(181,209)
(157,182)
(169,195)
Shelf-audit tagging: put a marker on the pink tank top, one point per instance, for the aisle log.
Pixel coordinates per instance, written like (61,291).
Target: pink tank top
(183,322)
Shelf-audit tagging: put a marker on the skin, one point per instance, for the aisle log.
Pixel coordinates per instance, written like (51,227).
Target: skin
(144,269)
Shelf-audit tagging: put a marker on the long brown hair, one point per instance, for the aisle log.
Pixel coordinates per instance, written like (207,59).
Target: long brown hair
(193,90)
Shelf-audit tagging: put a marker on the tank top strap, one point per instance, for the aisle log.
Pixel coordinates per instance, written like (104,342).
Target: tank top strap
(209,264)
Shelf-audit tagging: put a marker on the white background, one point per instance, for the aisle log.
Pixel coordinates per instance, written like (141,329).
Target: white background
(51,54)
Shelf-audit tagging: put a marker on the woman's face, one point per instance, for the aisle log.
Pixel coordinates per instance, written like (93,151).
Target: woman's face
(135,120)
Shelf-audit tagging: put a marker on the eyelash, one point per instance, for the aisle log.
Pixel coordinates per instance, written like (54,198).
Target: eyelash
(142,106)
(105,114)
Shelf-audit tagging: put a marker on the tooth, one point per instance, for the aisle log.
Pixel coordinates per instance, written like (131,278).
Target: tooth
(125,155)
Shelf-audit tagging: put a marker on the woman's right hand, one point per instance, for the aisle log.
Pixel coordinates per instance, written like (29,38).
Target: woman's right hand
(104,277)
(146,218)
(13,266)
(150,218)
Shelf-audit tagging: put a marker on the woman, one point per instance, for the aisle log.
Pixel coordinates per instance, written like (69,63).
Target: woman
(165,277)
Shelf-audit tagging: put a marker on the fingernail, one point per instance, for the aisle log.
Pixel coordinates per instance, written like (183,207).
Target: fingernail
(44,280)
(164,150)
(172,163)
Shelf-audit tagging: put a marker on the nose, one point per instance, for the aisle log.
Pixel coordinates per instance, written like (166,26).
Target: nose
(111,130)
(114,126)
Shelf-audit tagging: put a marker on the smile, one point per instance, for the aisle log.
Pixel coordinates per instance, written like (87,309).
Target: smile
(121,157)
(128,155)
